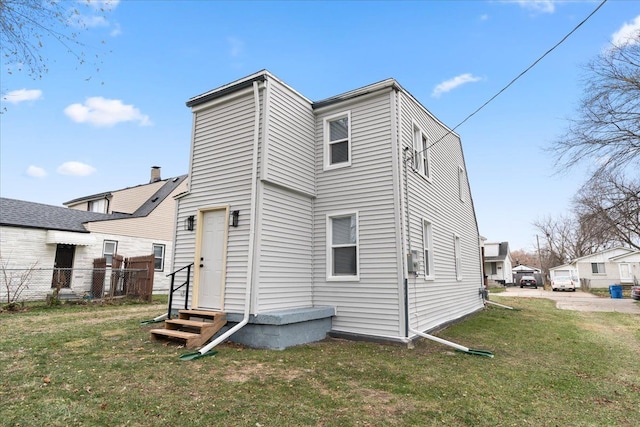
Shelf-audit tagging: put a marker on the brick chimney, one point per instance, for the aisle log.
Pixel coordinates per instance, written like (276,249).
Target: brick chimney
(155,174)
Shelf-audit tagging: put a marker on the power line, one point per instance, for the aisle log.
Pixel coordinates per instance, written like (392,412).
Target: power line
(518,76)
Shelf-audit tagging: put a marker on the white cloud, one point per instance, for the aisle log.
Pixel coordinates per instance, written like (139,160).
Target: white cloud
(484,17)
(627,34)
(453,83)
(76,169)
(236,46)
(538,6)
(36,172)
(20,95)
(99,111)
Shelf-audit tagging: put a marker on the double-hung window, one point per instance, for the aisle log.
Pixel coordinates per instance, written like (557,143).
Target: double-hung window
(421,153)
(337,140)
(158,257)
(597,268)
(456,254)
(427,243)
(342,246)
(461,182)
(109,250)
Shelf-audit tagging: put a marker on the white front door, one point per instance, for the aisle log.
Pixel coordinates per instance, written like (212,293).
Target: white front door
(625,273)
(211,264)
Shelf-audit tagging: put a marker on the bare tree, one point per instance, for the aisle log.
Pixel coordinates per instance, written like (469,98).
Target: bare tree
(27,26)
(607,130)
(609,205)
(571,236)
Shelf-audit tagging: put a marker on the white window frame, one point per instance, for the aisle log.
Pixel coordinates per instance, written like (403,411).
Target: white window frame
(331,246)
(421,152)
(327,142)
(98,205)
(461,181)
(106,254)
(427,249)
(153,248)
(457,257)
(598,264)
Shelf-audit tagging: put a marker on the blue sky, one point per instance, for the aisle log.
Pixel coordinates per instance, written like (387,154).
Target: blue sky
(78,131)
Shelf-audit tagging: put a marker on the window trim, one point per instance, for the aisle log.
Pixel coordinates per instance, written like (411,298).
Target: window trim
(104,251)
(327,142)
(421,154)
(153,248)
(427,249)
(461,180)
(604,269)
(457,256)
(329,247)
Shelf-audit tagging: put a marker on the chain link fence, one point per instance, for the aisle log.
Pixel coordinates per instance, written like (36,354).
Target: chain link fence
(39,284)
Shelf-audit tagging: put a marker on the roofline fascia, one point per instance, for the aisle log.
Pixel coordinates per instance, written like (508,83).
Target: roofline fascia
(261,76)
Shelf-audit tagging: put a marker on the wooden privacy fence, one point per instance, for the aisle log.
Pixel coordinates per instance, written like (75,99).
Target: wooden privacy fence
(131,277)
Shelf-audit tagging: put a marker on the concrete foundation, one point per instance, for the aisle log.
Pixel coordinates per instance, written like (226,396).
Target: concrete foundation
(277,330)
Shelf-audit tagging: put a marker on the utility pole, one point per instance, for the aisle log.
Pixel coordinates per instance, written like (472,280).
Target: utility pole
(540,261)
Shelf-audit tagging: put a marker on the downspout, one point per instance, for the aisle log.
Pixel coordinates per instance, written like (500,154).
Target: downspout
(252,232)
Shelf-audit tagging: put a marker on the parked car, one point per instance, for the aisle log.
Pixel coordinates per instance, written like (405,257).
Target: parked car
(528,281)
(563,283)
(635,292)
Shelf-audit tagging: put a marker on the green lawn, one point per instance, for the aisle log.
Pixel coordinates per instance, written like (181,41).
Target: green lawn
(96,366)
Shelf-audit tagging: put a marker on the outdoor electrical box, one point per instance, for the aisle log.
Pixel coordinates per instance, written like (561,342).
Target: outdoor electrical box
(412,262)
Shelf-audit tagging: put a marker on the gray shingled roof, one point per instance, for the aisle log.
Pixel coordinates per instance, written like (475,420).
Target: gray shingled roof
(20,213)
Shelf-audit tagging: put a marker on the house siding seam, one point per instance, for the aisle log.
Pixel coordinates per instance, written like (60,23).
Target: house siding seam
(367,187)
(223,134)
(445,298)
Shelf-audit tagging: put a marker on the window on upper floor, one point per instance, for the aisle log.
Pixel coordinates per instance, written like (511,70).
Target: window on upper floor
(427,243)
(457,256)
(342,246)
(337,140)
(109,250)
(99,206)
(461,182)
(597,268)
(158,257)
(421,152)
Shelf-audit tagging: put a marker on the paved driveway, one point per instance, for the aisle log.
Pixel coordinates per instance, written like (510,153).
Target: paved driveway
(578,300)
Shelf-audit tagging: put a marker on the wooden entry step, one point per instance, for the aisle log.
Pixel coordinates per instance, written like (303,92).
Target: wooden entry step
(192,327)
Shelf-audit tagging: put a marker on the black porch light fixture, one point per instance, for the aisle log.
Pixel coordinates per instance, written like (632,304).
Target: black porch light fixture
(234,218)
(189,223)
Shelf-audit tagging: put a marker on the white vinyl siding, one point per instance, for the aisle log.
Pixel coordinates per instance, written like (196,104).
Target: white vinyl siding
(446,298)
(337,140)
(365,187)
(222,135)
(427,252)
(289,146)
(285,250)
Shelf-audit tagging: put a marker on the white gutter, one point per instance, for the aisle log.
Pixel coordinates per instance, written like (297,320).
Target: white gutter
(252,230)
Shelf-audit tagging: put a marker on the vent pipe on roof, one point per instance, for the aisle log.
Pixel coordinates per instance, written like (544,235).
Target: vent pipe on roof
(155,174)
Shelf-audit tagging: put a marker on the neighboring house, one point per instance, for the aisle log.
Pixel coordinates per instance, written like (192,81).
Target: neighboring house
(351,215)
(498,263)
(524,270)
(608,267)
(134,221)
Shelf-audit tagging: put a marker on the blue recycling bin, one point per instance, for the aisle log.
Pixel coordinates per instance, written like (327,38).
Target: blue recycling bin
(615,291)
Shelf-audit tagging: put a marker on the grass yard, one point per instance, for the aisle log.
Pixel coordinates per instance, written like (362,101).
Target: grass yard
(96,366)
